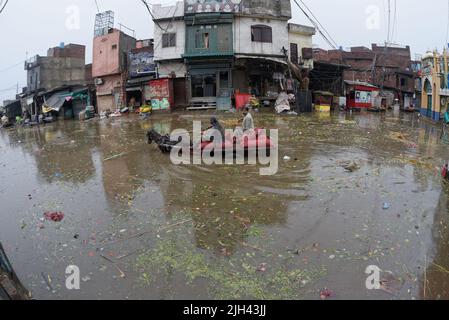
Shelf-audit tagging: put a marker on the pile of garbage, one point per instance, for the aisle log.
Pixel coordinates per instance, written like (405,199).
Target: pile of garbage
(283,103)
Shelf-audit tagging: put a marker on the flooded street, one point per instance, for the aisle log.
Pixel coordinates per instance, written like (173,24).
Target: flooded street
(358,190)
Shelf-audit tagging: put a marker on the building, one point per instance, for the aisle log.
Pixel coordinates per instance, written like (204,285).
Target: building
(300,41)
(435,84)
(417,69)
(109,65)
(141,69)
(12,109)
(220,48)
(262,48)
(169,40)
(209,53)
(394,74)
(63,68)
(387,67)
(169,49)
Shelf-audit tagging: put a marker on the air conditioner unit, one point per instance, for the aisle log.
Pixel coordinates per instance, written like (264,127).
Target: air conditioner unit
(98,81)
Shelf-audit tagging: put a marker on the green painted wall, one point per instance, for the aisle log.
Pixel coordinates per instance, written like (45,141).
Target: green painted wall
(220,40)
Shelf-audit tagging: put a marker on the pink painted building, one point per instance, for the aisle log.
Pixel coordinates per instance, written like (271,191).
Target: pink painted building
(109,68)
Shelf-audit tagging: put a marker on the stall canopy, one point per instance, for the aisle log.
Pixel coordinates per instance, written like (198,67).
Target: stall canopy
(272,59)
(56,101)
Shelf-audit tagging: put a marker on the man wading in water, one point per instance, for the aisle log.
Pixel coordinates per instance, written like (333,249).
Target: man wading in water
(248,121)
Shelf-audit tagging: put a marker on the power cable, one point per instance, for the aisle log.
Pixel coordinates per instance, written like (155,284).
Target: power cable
(4,6)
(319,23)
(315,24)
(152,15)
(11,67)
(98,7)
(447,29)
(389,21)
(395,18)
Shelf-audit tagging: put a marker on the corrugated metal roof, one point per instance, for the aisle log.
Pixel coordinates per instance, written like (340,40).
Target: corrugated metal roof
(56,101)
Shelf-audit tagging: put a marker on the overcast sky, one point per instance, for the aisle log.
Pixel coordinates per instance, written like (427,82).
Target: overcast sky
(28,26)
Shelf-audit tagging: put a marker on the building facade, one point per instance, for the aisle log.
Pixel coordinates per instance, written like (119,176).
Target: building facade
(169,49)
(387,67)
(435,84)
(109,68)
(227,47)
(262,48)
(209,59)
(141,70)
(63,69)
(63,66)
(300,42)
(169,40)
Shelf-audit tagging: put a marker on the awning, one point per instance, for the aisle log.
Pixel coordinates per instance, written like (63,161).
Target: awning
(56,101)
(136,81)
(129,89)
(254,57)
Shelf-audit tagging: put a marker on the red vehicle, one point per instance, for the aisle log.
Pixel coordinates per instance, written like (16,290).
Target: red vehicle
(360,95)
(249,143)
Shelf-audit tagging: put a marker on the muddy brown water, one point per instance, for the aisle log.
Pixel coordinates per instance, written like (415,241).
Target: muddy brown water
(121,197)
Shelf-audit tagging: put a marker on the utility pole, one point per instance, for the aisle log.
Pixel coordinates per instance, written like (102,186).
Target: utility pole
(389,20)
(373,72)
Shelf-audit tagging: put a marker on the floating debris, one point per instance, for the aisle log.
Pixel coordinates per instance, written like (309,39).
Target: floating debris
(54,216)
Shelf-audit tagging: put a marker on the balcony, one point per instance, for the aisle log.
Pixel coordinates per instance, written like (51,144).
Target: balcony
(31,63)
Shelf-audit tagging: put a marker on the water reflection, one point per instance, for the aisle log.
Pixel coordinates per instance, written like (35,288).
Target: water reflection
(110,166)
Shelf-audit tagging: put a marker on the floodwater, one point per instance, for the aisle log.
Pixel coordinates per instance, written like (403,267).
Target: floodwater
(139,227)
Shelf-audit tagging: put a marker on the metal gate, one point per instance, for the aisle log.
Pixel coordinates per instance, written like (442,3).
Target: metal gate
(304,101)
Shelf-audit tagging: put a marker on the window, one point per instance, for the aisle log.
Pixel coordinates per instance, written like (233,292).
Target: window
(204,85)
(261,33)
(114,46)
(168,40)
(224,80)
(403,82)
(202,40)
(294,58)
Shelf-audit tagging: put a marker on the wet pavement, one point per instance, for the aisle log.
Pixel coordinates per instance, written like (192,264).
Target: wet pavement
(358,190)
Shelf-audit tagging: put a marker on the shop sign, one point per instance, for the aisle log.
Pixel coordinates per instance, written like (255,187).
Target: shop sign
(210,6)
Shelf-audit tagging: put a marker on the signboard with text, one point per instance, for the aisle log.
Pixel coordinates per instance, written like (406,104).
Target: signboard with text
(212,6)
(141,64)
(160,94)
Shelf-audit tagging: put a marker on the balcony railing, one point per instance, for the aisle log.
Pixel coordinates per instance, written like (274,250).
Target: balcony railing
(444,92)
(31,62)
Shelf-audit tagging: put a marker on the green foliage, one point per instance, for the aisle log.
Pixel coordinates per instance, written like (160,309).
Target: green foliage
(228,278)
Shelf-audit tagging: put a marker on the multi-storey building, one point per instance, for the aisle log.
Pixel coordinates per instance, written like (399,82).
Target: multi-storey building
(169,49)
(388,67)
(109,67)
(228,46)
(141,70)
(62,66)
(435,84)
(62,69)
